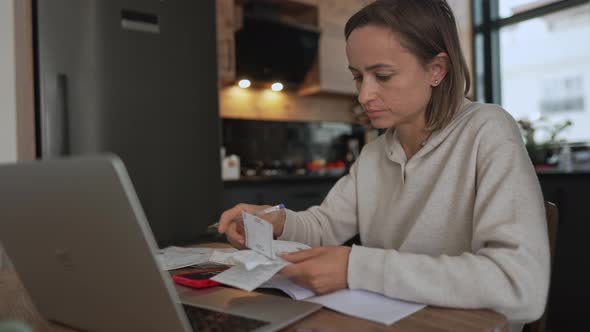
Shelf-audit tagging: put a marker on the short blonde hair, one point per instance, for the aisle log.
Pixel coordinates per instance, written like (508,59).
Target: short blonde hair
(426,28)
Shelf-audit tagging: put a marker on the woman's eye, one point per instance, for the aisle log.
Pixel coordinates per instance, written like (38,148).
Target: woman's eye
(383,77)
(357,78)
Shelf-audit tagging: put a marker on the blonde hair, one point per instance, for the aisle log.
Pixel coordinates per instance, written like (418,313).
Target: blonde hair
(426,28)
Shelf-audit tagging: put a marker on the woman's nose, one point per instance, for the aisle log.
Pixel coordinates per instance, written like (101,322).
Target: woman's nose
(366,92)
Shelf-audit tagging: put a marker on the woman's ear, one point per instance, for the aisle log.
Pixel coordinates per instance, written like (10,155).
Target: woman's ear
(438,67)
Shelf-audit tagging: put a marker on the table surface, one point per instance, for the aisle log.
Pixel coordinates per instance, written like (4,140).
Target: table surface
(16,304)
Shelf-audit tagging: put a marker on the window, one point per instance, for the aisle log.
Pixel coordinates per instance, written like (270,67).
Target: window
(507,8)
(533,58)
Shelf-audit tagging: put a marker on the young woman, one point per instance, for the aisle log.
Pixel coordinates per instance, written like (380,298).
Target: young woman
(446,201)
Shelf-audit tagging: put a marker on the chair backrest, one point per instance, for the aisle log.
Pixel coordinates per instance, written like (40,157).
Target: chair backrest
(552,215)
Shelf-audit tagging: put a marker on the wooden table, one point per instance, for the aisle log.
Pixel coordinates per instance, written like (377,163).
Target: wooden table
(16,304)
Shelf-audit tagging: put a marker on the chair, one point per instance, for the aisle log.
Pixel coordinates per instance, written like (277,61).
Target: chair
(552,214)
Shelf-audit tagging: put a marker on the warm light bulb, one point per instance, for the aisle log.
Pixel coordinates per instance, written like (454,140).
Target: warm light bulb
(244,83)
(277,86)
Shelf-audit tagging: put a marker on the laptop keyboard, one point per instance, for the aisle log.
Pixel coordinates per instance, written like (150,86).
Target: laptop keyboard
(205,320)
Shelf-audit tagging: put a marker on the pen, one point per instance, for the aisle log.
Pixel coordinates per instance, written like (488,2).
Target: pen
(259,213)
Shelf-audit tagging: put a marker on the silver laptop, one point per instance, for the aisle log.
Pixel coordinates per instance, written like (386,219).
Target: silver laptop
(79,240)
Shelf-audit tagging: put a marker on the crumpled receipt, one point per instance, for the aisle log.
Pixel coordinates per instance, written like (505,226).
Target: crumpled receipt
(250,268)
(251,259)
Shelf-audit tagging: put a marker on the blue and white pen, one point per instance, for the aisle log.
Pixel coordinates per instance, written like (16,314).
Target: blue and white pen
(259,213)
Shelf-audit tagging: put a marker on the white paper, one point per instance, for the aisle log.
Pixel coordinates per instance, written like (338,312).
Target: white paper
(171,258)
(251,259)
(289,287)
(280,246)
(237,276)
(258,234)
(367,305)
(221,257)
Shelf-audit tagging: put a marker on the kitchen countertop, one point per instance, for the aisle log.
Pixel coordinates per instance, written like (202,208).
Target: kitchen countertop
(283,178)
(560,172)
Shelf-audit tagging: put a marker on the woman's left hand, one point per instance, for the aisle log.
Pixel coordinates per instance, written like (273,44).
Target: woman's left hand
(320,269)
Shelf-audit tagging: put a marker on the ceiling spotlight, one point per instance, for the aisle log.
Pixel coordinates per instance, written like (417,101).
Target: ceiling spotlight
(277,86)
(244,83)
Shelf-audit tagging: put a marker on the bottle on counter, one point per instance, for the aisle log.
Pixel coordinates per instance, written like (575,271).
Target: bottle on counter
(230,166)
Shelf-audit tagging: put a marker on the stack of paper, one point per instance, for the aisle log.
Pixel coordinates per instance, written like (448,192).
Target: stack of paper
(258,267)
(237,276)
(171,258)
(251,269)
(288,287)
(254,267)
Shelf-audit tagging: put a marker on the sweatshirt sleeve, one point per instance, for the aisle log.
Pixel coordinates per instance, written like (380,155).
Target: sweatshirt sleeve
(331,223)
(507,269)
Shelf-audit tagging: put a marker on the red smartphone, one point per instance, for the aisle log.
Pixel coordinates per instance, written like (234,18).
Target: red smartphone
(198,279)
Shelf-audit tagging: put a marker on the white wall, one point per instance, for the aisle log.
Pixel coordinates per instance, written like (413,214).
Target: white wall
(7,92)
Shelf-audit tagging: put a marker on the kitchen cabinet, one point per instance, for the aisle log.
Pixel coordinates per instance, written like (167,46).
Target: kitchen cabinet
(297,193)
(229,20)
(569,293)
(329,73)
(226,24)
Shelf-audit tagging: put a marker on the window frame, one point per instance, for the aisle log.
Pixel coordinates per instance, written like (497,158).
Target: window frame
(487,25)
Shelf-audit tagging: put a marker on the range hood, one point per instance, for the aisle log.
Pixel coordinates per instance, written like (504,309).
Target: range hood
(269,49)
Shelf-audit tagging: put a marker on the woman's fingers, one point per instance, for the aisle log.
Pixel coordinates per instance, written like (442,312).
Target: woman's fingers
(299,256)
(234,213)
(234,236)
(228,216)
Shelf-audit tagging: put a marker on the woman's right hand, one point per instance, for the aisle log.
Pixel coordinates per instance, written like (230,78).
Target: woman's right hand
(232,226)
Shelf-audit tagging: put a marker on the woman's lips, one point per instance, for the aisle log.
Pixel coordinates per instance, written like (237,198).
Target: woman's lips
(374,113)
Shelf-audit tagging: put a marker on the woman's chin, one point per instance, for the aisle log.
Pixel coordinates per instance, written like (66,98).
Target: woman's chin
(381,123)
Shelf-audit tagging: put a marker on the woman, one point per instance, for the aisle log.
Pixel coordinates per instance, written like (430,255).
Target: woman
(446,202)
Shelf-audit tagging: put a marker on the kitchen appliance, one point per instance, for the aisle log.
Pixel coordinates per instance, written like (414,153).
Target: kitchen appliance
(270,49)
(137,78)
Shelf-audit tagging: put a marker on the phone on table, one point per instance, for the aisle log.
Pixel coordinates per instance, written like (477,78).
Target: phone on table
(198,279)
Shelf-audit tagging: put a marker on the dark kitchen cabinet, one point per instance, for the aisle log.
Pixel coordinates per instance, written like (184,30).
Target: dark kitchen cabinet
(297,194)
(570,288)
(226,52)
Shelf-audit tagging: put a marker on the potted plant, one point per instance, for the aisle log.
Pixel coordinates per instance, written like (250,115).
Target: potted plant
(539,152)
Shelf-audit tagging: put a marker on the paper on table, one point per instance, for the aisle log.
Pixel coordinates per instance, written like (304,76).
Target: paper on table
(221,257)
(367,305)
(239,277)
(252,259)
(253,268)
(258,234)
(280,246)
(358,303)
(171,258)
(289,287)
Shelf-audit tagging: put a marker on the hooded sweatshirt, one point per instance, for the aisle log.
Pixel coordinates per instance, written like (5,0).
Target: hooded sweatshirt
(461,224)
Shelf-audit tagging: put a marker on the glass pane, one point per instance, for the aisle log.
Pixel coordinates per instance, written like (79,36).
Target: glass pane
(480,82)
(508,8)
(545,72)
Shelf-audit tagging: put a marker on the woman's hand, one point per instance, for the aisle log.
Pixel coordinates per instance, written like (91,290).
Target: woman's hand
(232,225)
(320,269)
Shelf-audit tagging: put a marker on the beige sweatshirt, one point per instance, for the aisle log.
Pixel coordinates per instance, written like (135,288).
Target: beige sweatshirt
(461,224)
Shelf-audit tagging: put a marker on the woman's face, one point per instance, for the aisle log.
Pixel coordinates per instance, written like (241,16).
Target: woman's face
(393,87)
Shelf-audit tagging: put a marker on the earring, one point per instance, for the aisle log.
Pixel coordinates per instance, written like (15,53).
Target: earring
(435,82)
